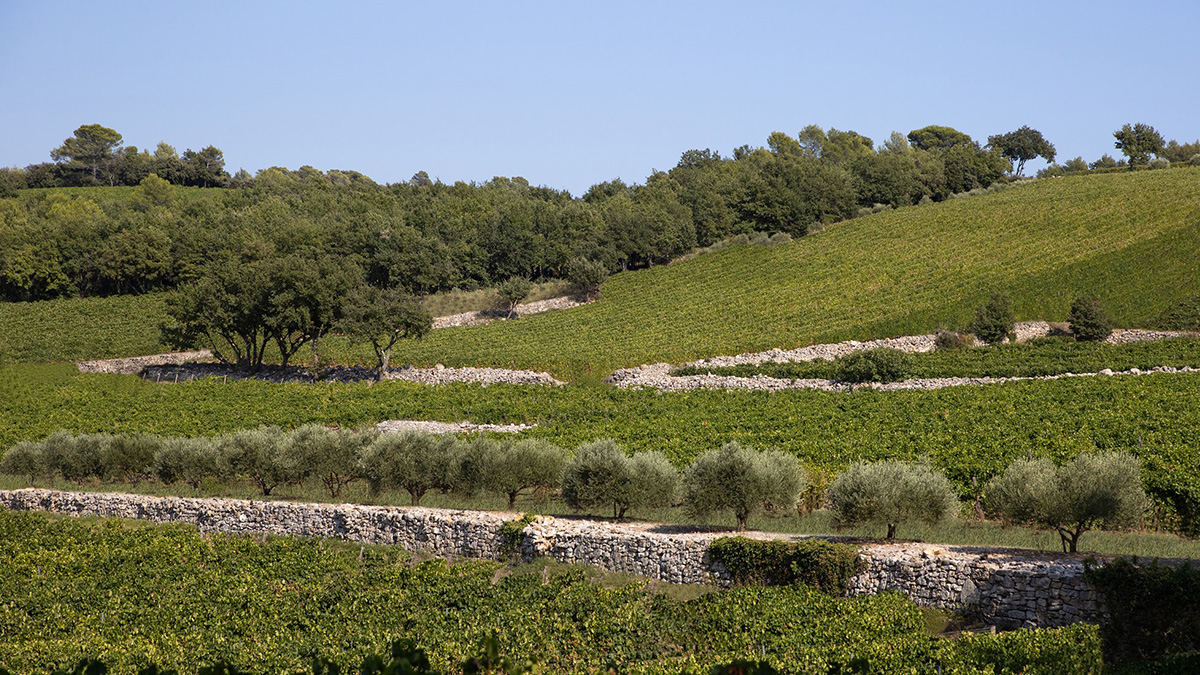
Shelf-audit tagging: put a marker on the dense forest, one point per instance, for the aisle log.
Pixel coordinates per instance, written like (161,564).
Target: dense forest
(156,220)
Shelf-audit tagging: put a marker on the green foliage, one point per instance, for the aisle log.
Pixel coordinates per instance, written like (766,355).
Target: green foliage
(966,431)
(1089,322)
(812,562)
(513,292)
(1159,163)
(653,481)
(1138,142)
(1023,145)
(275,606)
(994,321)
(891,493)
(413,461)
(1153,609)
(383,318)
(190,460)
(1183,315)
(586,277)
(1038,357)
(264,456)
(741,480)
(598,476)
(24,459)
(1089,492)
(513,468)
(511,532)
(330,454)
(873,365)
(949,340)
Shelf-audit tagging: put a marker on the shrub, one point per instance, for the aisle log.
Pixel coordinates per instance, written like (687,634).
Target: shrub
(994,320)
(784,237)
(1088,320)
(413,461)
(264,456)
(513,292)
(1153,610)
(811,562)
(890,493)
(1090,491)
(948,340)
(1195,160)
(511,532)
(189,460)
(512,468)
(741,480)
(1160,163)
(598,475)
(874,365)
(586,277)
(24,459)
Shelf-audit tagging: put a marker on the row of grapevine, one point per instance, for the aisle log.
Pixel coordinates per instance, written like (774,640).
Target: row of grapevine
(166,595)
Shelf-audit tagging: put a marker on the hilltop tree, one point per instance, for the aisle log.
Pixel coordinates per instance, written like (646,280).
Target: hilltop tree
(1023,145)
(1138,142)
(934,137)
(92,148)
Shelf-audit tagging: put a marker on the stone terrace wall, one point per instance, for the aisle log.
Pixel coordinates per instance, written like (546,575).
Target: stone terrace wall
(1007,589)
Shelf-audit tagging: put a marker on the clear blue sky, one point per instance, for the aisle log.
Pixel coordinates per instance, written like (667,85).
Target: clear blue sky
(568,94)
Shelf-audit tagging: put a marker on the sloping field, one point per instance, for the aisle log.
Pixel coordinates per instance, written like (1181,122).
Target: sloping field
(1131,239)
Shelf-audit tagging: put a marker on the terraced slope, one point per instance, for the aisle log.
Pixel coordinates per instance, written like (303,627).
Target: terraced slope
(1131,239)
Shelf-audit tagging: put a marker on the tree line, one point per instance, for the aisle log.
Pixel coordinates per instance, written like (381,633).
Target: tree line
(1101,490)
(426,236)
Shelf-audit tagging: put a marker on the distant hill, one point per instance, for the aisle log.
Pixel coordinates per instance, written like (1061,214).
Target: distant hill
(1132,239)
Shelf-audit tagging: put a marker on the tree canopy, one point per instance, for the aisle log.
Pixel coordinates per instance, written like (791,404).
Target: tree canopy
(1023,145)
(1138,142)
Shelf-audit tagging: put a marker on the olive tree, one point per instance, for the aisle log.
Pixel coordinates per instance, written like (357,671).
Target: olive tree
(413,461)
(1102,490)
(24,459)
(741,480)
(513,468)
(890,493)
(597,476)
(330,454)
(189,460)
(513,292)
(264,456)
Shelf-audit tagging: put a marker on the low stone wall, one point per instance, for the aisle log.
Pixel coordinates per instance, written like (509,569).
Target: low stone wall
(1005,588)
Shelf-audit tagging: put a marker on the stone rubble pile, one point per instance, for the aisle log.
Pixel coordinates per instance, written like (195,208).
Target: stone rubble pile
(397,426)
(135,364)
(658,375)
(490,315)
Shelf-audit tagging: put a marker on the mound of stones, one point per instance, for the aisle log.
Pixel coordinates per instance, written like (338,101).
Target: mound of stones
(489,315)
(658,375)
(398,426)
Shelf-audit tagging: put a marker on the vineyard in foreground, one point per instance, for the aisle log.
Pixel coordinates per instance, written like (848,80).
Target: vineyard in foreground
(131,596)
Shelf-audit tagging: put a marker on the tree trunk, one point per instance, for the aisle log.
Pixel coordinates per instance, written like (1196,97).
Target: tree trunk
(383,364)
(512,499)
(891,531)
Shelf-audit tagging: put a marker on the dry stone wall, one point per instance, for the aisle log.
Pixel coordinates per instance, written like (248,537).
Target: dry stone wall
(1005,588)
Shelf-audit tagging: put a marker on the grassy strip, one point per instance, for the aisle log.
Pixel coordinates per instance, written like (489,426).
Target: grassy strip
(1046,356)
(130,596)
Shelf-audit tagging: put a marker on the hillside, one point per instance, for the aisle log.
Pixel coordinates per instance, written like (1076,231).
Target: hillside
(1131,239)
